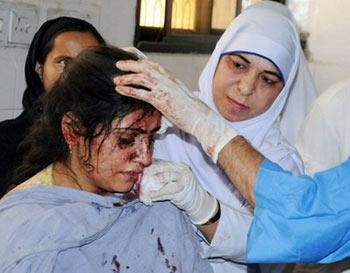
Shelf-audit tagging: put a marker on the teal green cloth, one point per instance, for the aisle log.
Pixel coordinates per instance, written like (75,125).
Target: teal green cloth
(300,219)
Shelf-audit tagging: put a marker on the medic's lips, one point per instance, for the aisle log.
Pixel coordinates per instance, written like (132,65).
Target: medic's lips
(236,105)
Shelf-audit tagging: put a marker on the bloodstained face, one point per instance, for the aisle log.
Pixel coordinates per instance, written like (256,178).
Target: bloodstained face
(117,160)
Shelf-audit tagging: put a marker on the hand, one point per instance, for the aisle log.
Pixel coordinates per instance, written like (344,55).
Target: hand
(165,180)
(176,102)
(139,54)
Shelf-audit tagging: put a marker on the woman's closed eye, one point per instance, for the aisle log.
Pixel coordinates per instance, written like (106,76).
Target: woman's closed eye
(125,142)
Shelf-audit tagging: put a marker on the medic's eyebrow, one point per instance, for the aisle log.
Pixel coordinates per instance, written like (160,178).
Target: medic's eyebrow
(265,71)
(243,58)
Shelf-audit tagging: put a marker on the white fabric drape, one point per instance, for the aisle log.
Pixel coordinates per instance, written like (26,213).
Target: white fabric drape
(324,137)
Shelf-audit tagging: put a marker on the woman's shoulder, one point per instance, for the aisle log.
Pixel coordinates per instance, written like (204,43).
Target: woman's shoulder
(42,178)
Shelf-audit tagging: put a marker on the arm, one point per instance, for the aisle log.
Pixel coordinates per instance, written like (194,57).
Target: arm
(288,209)
(176,102)
(303,219)
(179,106)
(165,180)
(240,162)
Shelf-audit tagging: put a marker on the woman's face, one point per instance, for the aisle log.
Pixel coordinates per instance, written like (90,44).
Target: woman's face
(117,161)
(66,46)
(245,86)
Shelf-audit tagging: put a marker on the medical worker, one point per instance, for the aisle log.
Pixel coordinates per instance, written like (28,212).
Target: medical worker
(300,218)
(249,85)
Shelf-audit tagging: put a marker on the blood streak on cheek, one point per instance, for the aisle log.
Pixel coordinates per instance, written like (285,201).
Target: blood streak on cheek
(131,156)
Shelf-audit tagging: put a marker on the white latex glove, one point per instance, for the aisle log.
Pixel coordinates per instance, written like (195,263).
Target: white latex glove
(135,51)
(165,180)
(171,97)
(164,122)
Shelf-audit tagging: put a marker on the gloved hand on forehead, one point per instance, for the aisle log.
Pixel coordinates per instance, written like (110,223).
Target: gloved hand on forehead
(165,180)
(171,97)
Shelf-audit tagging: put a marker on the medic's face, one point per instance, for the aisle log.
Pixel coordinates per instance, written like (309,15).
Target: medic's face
(245,86)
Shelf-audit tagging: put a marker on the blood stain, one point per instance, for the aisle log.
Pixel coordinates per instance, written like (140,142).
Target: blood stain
(116,264)
(160,246)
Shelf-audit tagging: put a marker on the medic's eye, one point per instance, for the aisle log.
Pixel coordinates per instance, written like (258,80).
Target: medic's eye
(238,65)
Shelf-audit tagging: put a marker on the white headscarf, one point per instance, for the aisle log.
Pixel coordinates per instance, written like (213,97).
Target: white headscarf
(266,29)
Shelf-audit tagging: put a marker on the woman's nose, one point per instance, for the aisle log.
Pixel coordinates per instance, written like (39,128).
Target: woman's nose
(247,83)
(144,153)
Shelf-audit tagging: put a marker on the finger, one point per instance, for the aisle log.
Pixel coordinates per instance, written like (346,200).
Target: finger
(134,66)
(167,192)
(166,168)
(139,79)
(154,180)
(157,67)
(164,125)
(137,93)
(163,70)
(167,177)
(135,51)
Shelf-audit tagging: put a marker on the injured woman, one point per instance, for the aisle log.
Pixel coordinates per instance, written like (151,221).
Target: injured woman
(79,211)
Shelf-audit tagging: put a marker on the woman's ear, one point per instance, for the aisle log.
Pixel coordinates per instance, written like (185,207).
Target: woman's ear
(69,129)
(39,70)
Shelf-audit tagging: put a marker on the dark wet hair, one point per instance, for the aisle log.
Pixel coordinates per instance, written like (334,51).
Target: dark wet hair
(41,46)
(86,91)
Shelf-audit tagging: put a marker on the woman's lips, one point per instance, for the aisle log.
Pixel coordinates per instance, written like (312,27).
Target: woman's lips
(132,176)
(237,105)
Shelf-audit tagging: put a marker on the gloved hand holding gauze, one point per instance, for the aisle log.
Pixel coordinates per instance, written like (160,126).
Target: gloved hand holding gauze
(165,180)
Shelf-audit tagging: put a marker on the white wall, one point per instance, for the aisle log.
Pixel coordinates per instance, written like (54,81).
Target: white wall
(327,22)
(329,27)
(115,21)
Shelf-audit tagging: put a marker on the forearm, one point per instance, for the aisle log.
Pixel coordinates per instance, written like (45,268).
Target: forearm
(240,162)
